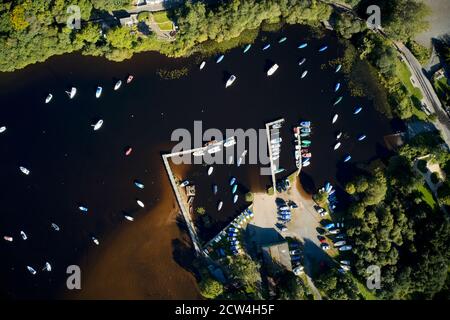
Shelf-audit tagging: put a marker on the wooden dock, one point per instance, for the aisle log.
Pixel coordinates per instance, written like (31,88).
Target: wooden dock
(268,127)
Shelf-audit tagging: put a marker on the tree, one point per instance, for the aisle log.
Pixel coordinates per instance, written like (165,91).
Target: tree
(242,267)
(210,288)
(444,193)
(350,188)
(347,25)
(338,286)
(200,210)
(249,197)
(291,287)
(18,18)
(321,198)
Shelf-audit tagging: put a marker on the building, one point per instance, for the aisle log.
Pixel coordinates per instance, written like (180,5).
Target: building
(130,21)
(276,257)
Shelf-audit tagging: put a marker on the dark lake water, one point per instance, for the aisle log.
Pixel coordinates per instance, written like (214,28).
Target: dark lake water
(72,164)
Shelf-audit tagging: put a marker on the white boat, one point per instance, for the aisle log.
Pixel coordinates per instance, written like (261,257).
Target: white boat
(129,218)
(118,85)
(214,149)
(340,243)
(272,69)
(302,61)
(8,238)
(230,159)
(31,269)
(210,170)
(338,68)
(241,158)
(336,116)
(95,240)
(49,98)
(98,93)
(337,145)
(24,235)
(219,206)
(184,183)
(72,92)
(304,74)
(231,141)
(98,125)
(202,65)
(339,135)
(47,267)
(199,153)
(345,262)
(55,227)
(24,170)
(230,81)
(235,198)
(2,129)
(140,203)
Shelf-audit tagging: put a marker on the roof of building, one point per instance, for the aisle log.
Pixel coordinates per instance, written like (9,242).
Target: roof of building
(277,254)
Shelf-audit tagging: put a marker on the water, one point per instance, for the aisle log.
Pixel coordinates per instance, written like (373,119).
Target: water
(71,164)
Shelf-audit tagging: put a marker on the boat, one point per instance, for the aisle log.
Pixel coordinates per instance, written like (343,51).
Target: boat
(83,209)
(24,170)
(338,68)
(276,140)
(230,81)
(199,153)
(282,40)
(214,149)
(129,79)
(72,92)
(337,145)
(118,85)
(219,206)
(304,74)
(24,235)
(231,141)
(357,110)
(220,58)
(8,238)
(335,117)
(339,135)
(306,130)
(49,98)
(302,45)
(347,158)
(337,87)
(234,189)
(32,271)
(307,155)
(305,134)
(272,70)
(128,151)
(235,198)
(138,184)
(215,188)
(279,170)
(241,158)
(307,142)
(232,181)
(362,137)
(247,47)
(323,48)
(306,163)
(305,124)
(128,217)
(276,126)
(302,61)
(202,65)
(98,93)
(267,46)
(55,227)
(338,100)
(230,159)
(97,125)
(184,183)
(95,240)
(345,262)
(345,248)
(140,203)
(210,170)
(2,129)
(47,267)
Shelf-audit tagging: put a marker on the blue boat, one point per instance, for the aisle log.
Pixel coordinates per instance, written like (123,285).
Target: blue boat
(362,137)
(234,189)
(303,45)
(232,181)
(327,186)
(267,46)
(337,87)
(329,226)
(357,110)
(235,198)
(84,209)
(215,189)
(347,158)
(282,40)
(323,48)
(305,124)
(247,47)
(138,184)
(220,58)
(338,68)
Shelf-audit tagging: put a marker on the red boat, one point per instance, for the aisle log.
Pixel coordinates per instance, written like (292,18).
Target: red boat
(128,151)
(130,78)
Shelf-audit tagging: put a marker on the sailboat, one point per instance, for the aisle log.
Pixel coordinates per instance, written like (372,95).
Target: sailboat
(47,267)
(336,116)
(362,137)
(323,48)
(247,47)
(347,158)
(282,40)
(72,92)
(55,227)
(339,135)
(230,81)
(118,85)
(215,188)
(31,270)
(98,93)
(83,209)
(2,129)
(95,240)
(138,184)
(337,87)
(267,46)
(97,125)
(338,100)
(49,98)
(202,65)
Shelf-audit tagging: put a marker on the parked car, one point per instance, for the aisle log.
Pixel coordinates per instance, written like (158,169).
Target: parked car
(294,252)
(294,245)
(281,227)
(319,209)
(298,270)
(295,258)
(345,248)
(292,204)
(325,246)
(334,231)
(329,226)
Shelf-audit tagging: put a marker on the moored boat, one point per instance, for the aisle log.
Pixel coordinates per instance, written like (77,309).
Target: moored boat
(337,87)
(335,117)
(219,206)
(231,141)
(234,189)
(230,80)
(130,78)
(302,45)
(210,170)
(247,47)
(215,188)
(357,110)
(214,149)
(305,124)
(267,46)
(202,65)
(338,68)
(49,98)
(47,267)
(304,73)
(184,183)
(323,48)
(97,125)
(24,170)
(128,151)
(140,203)
(199,153)
(362,137)
(23,235)
(129,218)
(31,270)
(306,163)
(232,181)
(72,92)
(55,226)
(98,92)
(2,129)
(338,100)
(347,158)
(95,240)
(241,158)
(235,198)
(118,85)
(282,40)
(272,69)
(302,61)
(220,58)
(8,238)
(337,145)
(83,209)
(339,135)
(138,184)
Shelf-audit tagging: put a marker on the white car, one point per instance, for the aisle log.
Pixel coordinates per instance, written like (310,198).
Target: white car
(294,252)
(325,246)
(334,231)
(298,270)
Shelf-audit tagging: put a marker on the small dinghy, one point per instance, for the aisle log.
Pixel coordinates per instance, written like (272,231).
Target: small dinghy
(184,183)
(337,145)
(232,181)
(305,124)
(323,48)
(235,198)
(97,125)
(241,158)
(138,184)
(83,209)
(357,110)
(49,98)
(220,58)
(338,100)
(117,85)
(210,170)
(215,188)
(55,227)
(301,62)
(2,129)
(47,267)
(95,240)
(337,87)
(202,65)
(338,68)
(339,135)
(234,189)
(272,70)
(128,151)
(72,92)
(230,81)
(304,74)
(347,158)
(98,93)
(219,206)
(31,270)
(336,116)
(247,47)
(199,153)
(306,163)
(130,78)
(267,46)
(129,218)
(8,238)
(24,170)
(362,137)
(302,45)
(140,203)
(23,235)
(282,40)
